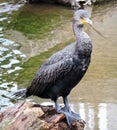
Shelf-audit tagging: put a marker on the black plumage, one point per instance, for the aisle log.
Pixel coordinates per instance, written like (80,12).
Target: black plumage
(64,69)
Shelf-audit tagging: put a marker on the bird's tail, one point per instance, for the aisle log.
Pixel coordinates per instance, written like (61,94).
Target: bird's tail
(19,94)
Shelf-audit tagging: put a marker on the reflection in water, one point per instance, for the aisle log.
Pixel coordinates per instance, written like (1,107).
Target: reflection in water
(5,89)
(82,110)
(97,116)
(6,7)
(102,115)
(10,58)
(10,62)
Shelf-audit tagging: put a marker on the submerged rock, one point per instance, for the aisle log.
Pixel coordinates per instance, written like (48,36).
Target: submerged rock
(28,116)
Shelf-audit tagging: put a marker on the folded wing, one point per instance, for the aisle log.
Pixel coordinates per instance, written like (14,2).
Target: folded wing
(48,75)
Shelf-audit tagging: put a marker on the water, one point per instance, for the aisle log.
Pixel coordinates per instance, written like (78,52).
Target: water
(95,98)
(10,57)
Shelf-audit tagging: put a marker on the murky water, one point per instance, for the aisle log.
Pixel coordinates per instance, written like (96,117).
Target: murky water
(95,98)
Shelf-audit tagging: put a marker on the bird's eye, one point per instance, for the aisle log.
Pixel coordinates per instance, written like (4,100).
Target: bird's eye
(80,25)
(82,17)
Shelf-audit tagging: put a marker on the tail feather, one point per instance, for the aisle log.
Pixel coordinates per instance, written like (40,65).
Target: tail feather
(19,94)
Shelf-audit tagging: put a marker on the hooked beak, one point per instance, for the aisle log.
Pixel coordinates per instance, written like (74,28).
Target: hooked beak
(85,21)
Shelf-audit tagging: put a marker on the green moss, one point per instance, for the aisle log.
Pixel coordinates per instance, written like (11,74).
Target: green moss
(32,23)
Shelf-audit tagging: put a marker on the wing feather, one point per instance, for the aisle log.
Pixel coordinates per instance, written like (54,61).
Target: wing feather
(48,74)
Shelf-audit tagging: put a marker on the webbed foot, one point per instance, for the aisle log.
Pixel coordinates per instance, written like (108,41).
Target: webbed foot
(70,115)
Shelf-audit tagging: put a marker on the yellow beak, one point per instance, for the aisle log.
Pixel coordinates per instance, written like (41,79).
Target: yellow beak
(85,21)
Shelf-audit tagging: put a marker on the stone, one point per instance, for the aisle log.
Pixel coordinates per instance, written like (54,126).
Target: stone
(29,116)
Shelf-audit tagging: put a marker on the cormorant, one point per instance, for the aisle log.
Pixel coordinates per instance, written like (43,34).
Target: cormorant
(64,69)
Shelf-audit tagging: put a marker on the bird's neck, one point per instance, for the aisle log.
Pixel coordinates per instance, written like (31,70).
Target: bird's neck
(82,40)
(78,30)
(81,36)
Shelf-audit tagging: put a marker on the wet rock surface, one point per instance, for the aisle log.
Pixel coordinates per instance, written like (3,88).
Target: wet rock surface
(28,116)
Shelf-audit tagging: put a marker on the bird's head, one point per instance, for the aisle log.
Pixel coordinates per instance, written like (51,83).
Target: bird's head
(82,17)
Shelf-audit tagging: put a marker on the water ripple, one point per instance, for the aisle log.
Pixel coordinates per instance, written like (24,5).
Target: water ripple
(6,42)
(8,8)
(10,58)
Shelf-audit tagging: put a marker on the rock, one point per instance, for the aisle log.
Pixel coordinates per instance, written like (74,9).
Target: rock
(28,116)
(73,3)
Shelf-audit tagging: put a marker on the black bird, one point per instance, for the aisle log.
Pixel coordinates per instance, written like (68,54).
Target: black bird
(64,69)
